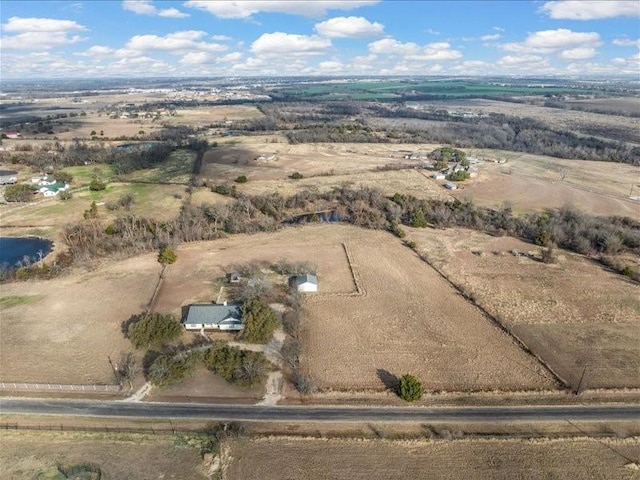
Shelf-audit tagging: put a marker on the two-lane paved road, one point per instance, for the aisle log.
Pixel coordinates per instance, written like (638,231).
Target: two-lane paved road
(98,408)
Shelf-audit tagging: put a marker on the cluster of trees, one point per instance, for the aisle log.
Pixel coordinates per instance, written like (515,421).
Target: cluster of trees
(260,321)
(20,192)
(124,202)
(152,329)
(169,369)
(336,123)
(241,367)
(365,207)
(173,362)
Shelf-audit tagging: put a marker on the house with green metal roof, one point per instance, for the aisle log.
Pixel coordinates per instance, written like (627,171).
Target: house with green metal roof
(211,316)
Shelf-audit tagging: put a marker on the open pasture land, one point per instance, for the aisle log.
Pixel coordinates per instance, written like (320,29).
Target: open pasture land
(161,202)
(571,314)
(104,127)
(281,160)
(27,455)
(204,195)
(613,127)
(202,116)
(407,320)
(620,106)
(534,182)
(71,325)
(310,459)
(410,182)
(199,272)
(176,169)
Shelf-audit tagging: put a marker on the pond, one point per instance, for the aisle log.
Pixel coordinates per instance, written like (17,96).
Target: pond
(327,216)
(131,146)
(22,250)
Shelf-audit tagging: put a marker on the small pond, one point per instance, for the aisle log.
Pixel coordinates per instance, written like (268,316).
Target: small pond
(18,249)
(132,146)
(327,216)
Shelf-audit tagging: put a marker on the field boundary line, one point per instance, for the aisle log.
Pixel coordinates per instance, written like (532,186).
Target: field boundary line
(354,274)
(50,387)
(156,290)
(105,429)
(557,378)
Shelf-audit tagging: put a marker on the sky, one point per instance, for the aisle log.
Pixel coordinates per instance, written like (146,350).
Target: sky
(191,38)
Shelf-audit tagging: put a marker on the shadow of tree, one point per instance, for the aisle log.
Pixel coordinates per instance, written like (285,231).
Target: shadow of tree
(388,379)
(124,326)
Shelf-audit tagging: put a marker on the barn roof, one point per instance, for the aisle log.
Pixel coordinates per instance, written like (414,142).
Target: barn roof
(308,278)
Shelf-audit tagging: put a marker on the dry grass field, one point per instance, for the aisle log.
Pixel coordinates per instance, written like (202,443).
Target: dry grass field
(572,313)
(176,169)
(240,158)
(411,182)
(533,182)
(196,276)
(161,202)
(202,116)
(613,126)
(26,455)
(408,320)
(315,459)
(72,325)
(204,195)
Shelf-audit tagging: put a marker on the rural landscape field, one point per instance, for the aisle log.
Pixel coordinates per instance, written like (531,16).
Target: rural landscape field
(402,242)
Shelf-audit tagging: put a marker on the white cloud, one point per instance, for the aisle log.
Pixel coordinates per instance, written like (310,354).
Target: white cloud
(279,43)
(196,58)
(176,43)
(97,51)
(172,13)
(231,57)
(247,8)
(413,51)
(591,9)
(221,38)
(549,41)
(625,42)
(490,38)
(391,46)
(519,59)
(349,27)
(499,29)
(146,7)
(580,53)
(39,33)
(431,31)
(331,66)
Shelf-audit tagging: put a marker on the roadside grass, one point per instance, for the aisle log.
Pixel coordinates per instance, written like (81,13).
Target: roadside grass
(15,300)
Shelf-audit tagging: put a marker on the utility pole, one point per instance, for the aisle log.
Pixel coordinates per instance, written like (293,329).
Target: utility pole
(581,378)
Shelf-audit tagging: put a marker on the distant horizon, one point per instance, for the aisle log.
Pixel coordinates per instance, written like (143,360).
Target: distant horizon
(320,77)
(75,39)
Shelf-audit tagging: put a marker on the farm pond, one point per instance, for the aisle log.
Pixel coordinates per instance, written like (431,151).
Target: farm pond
(15,251)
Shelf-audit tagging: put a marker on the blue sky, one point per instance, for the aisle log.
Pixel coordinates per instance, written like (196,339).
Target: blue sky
(91,38)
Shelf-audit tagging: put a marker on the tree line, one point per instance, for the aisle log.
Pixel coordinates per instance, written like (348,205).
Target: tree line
(365,207)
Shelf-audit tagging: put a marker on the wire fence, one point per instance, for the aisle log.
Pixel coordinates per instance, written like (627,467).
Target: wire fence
(100,429)
(54,387)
